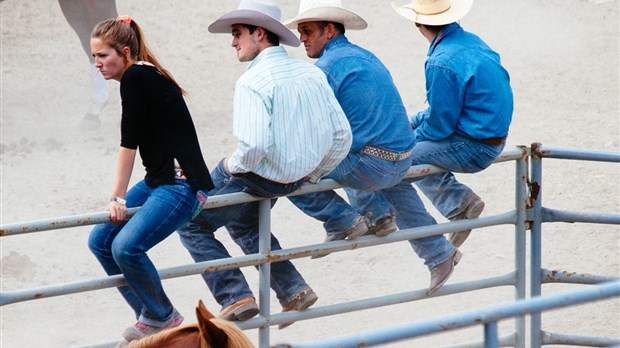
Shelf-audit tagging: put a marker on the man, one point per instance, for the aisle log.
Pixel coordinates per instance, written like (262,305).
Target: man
(291,129)
(465,126)
(382,137)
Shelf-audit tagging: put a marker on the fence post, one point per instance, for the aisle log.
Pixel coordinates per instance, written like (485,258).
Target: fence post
(264,269)
(491,340)
(536,241)
(521,201)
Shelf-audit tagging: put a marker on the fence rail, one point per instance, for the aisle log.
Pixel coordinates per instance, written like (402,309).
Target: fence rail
(487,317)
(528,213)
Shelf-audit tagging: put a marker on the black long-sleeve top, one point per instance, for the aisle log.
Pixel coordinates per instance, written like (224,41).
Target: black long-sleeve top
(157,122)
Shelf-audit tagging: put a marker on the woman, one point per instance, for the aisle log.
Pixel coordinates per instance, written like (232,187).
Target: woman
(156,120)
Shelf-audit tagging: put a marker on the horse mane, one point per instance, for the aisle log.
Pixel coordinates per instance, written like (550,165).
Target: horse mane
(236,337)
(209,332)
(187,336)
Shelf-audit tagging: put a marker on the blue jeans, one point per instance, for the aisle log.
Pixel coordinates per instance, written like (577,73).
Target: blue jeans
(456,154)
(410,213)
(357,171)
(241,220)
(122,248)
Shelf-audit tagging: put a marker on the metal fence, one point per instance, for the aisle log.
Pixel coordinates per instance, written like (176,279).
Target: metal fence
(528,213)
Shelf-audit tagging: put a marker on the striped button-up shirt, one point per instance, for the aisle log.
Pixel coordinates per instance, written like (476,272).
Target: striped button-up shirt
(287,119)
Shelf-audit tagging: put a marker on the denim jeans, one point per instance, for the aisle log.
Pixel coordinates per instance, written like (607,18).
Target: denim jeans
(358,171)
(456,154)
(122,248)
(410,213)
(241,220)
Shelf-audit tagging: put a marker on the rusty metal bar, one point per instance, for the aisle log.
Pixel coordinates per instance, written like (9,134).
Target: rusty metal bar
(521,205)
(536,188)
(576,154)
(557,276)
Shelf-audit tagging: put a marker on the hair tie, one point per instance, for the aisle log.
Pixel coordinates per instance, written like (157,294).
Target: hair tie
(124,19)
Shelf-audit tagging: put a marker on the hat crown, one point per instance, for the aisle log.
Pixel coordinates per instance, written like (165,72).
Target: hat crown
(430,7)
(306,5)
(266,7)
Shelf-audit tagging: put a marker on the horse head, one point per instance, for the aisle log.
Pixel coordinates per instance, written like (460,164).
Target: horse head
(209,332)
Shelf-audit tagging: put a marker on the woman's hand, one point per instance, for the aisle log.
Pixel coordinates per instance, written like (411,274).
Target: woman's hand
(118,212)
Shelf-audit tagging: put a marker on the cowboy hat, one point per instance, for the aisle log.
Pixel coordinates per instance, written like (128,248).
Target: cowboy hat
(260,13)
(434,12)
(326,10)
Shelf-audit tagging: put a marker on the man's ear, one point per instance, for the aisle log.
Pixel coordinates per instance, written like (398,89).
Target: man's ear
(260,33)
(330,31)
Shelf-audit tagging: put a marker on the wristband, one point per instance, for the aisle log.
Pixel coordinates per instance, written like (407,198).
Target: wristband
(118,200)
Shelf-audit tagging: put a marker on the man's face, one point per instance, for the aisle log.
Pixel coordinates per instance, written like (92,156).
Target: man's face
(245,43)
(313,37)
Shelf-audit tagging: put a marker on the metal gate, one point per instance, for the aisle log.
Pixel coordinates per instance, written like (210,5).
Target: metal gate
(528,214)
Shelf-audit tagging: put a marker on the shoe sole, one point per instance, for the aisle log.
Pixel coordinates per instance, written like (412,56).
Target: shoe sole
(391,228)
(133,334)
(457,257)
(357,232)
(458,238)
(241,313)
(304,304)
(341,236)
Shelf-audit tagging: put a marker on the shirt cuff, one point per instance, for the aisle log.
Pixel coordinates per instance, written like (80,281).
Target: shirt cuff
(234,165)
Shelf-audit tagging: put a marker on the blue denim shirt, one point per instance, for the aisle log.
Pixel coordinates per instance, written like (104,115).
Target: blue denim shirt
(467,89)
(367,94)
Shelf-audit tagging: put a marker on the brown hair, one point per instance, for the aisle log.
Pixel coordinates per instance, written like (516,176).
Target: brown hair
(118,33)
(271,37)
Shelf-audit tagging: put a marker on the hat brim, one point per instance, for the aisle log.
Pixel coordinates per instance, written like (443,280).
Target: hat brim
(223,25)
(347,18)
(458,9)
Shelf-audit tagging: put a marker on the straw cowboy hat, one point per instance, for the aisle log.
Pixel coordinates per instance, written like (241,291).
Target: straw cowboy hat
(260,13)
(434,12)
(326,10)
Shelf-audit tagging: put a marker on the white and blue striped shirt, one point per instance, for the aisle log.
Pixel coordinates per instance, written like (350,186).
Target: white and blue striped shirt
(287,119)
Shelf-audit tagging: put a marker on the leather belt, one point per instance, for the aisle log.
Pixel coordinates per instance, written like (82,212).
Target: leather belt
(385,154)
(493,141)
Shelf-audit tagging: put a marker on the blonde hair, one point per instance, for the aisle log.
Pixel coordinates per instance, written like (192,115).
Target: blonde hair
(125,32)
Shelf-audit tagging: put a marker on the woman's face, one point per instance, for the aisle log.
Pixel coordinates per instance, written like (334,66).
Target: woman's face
(111,65)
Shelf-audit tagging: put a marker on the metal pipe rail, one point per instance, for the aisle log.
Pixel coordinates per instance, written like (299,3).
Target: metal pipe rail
(9,297)
(487,317)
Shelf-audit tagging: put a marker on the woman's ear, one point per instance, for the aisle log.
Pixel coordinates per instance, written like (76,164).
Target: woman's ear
(126,53)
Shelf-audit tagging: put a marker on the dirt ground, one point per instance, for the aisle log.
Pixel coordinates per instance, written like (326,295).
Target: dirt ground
(563,57)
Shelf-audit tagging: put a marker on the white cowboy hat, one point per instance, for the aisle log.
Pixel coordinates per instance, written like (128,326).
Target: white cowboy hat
(260,13)
(434,12)
(326,10)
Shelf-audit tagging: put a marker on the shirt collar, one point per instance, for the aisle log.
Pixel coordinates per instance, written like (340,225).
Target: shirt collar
(447,30)
(268,52)
(340,39)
